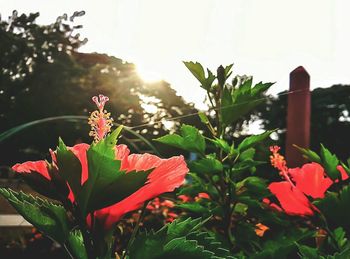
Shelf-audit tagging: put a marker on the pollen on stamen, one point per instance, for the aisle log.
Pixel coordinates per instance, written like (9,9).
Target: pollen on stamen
(100,120)
(277,160)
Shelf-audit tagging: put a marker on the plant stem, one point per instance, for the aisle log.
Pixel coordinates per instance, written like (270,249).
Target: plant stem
(329,232)
(133,235)
(66,248)
(85,233)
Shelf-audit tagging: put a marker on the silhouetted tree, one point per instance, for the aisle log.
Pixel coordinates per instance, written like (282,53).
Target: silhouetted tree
(330,120)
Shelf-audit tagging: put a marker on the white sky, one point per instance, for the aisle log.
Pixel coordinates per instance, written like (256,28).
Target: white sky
(264,38)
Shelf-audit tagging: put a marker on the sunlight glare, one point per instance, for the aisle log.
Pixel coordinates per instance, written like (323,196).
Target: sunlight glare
(147,75)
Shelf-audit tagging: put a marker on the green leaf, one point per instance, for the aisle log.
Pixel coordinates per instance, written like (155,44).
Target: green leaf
(309,154)
(308,252)
(190,140)
(179,239)
(341,255)
(42,185)
(204,119)
(339,235)
(106,183)
(253,140)
(240,101)
(206,165)
(256,187)
(222,144)
(115,190)
(196,70)
(335,207)
(247,154)
(194,207)
(286,241)
(69,167)
(330,163)
(49,218)
(228,71)
(76,245)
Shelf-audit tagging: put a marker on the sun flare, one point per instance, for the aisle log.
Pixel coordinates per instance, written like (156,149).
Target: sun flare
(147,75)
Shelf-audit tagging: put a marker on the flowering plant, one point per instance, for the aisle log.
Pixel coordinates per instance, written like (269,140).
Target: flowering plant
(241,210)
(91,187)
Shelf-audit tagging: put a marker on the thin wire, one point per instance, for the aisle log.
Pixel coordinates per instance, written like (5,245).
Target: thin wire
(214,109)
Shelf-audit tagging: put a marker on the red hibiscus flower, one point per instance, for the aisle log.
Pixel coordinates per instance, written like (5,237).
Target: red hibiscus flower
(163,175)
(292,200)
(167,175)
(309,180)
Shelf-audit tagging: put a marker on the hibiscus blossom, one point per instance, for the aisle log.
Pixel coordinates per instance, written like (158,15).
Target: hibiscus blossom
(309,180)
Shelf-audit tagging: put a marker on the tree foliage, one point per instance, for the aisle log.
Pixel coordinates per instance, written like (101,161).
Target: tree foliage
(329,117)
(43,75)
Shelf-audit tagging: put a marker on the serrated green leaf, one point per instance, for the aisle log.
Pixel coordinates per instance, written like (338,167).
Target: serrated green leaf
(76,245)
(179,239)
(190,140)
(210,243)
(309,154)
(197,70)
(260,88)
(187,249)
(49,218)
(330,163)
(69,167)
(242,100)
(253,140)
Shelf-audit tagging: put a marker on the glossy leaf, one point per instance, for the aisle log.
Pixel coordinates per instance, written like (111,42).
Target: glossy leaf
(250,141)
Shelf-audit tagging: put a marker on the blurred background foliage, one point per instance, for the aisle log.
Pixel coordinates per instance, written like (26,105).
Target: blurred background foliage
(44,75)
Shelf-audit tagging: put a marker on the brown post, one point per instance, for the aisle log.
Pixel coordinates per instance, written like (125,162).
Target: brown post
(298,116)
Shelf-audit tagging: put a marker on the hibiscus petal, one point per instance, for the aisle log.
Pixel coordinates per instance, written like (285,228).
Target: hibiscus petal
(28,167)
(292,200)
(311,180)
(344,175)
(167,175)
(121,153)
